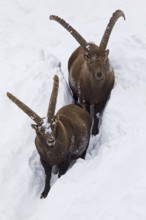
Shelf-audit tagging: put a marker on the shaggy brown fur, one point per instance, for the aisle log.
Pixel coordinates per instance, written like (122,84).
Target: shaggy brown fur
(60,138)
(91,76)
(67,139)
(91,80)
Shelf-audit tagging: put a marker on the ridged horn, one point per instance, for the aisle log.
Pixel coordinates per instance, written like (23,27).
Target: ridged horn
(53,99)
(25,108)
(72,31)
(108,30)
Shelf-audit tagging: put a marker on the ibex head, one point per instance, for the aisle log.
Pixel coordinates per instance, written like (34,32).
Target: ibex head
(97,63)
(95,57)
(44,127)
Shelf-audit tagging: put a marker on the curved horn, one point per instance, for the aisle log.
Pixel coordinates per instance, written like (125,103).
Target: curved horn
(53,99)
(114,18)
(25,108)
(72,31)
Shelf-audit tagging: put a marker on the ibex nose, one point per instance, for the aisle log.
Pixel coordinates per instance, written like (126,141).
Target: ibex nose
(51,141)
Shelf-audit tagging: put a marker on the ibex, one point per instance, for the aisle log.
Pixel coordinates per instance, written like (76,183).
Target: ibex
(91,76)
(60,138)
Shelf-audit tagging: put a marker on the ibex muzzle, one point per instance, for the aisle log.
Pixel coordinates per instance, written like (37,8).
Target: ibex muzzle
(91,76)
(60,138)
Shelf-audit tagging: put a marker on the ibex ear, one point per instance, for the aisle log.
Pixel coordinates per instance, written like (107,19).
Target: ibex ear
(34,126)
(106,52)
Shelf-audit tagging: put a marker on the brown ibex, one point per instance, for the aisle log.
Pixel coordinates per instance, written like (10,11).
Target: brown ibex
(91,76)
(60,138)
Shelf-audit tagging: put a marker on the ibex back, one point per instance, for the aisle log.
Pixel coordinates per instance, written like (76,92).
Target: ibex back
(91,76)
(60,138)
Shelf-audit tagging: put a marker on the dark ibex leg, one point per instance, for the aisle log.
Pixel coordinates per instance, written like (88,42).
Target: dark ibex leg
(84,153)
(97,110)
(63,167)
(75,97)
(87,106)
(48,171)
(95,129)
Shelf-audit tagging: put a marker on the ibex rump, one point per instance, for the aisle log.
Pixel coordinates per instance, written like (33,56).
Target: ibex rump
(91,76)
(60,138)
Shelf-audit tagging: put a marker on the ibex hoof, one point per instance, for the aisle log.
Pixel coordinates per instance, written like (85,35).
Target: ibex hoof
(44,194)
(95,131)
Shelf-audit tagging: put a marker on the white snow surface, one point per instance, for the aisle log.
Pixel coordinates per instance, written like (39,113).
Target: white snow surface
(110,184)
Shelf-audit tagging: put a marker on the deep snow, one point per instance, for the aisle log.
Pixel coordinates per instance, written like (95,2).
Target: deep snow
(111,183)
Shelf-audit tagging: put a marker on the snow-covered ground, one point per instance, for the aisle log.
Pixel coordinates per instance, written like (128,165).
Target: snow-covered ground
(111,183)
